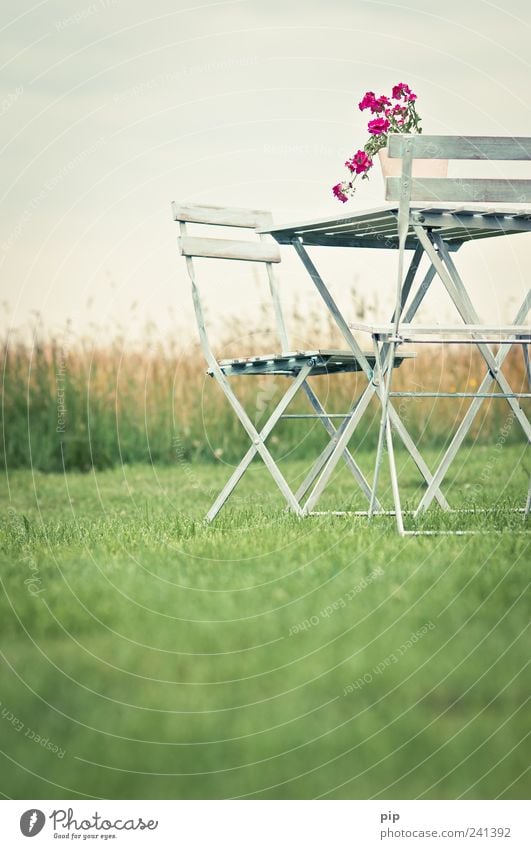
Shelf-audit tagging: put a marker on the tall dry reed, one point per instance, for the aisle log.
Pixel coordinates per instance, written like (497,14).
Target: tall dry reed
(77,404)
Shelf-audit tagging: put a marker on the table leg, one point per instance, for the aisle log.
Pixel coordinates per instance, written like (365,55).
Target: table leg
(340,440)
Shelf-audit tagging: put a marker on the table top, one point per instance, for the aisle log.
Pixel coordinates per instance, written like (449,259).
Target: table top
(377,228)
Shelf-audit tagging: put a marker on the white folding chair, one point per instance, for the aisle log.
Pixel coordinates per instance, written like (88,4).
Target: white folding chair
(297,366)
(428,228)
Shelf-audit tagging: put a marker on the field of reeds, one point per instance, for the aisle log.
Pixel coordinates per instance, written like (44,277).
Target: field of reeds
(73,403)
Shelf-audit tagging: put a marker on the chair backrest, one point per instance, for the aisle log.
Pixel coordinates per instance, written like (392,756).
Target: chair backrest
(407,188)
(261,249)
(482,190)
(257,251)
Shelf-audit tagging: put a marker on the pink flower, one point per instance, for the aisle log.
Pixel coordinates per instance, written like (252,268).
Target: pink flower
(403,90)
(397,114)
(378,126)
(338,191)
(380,103)
(367,102)
(399,110)
(375,104)
(360,162)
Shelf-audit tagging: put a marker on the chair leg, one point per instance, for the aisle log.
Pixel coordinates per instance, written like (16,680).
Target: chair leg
(385,432)
(321,460)
(394,479)
(455,288)
(341,439)
(467,420)
(336,447)
(527,363)
(379,379)
(258,445)
(231,484)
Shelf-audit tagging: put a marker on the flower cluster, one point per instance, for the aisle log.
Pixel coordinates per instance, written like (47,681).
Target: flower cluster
(391,115)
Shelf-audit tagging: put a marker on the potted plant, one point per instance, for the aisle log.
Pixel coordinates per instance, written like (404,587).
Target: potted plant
(397,114)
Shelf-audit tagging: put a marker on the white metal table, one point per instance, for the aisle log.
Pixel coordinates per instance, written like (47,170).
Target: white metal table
(435,232)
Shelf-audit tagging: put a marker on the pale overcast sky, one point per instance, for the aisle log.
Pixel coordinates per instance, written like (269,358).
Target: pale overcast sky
(110,109)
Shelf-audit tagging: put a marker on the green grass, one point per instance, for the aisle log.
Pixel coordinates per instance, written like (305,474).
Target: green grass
(166,658)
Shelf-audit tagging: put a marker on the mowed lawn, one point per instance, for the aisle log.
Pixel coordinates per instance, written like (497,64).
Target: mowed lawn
(146,655)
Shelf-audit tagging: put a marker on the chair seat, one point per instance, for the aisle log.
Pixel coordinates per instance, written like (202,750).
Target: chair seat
(451,332)
(291,362)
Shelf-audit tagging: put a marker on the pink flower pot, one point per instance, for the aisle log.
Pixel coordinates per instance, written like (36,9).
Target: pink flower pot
(421,167)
